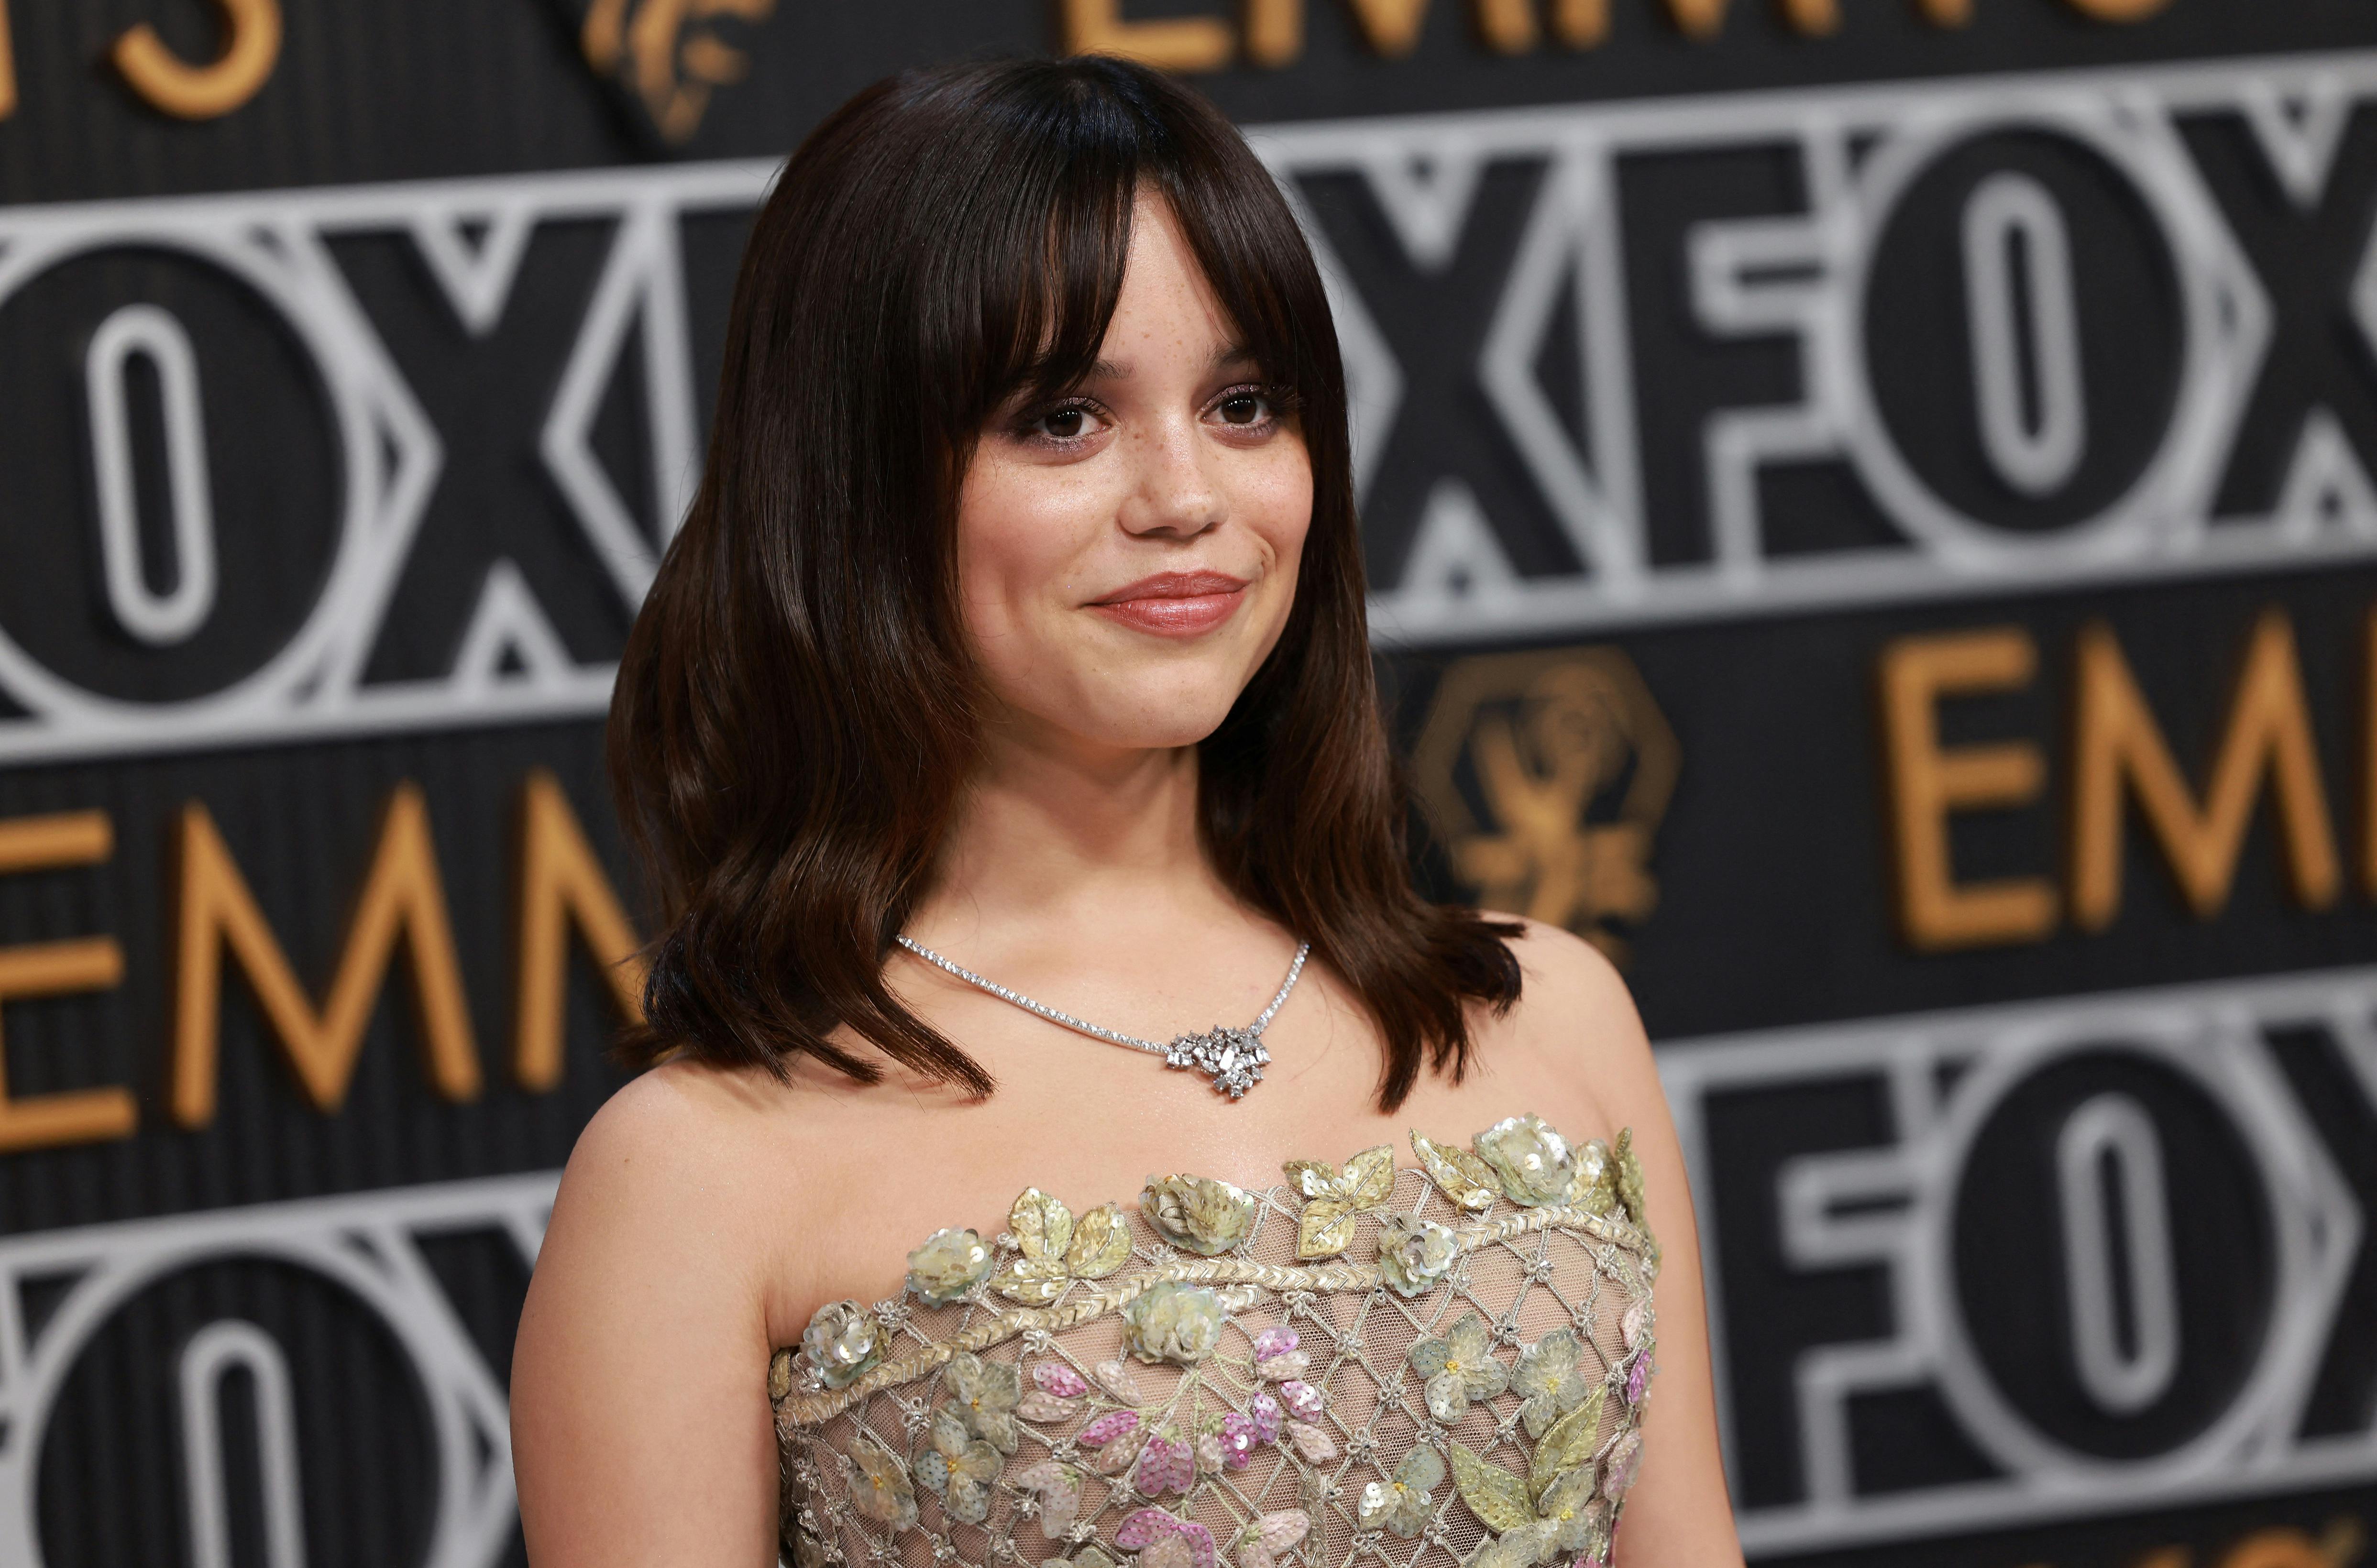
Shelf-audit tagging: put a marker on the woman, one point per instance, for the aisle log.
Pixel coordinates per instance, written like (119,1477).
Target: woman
(1011,663)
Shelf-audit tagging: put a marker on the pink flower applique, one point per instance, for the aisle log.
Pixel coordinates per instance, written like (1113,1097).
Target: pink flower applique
(1142,1530)
(1166,1464)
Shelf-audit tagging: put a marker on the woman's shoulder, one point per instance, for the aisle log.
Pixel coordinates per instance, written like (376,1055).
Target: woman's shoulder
(682,1150)
(1573,1036)
(680,1119)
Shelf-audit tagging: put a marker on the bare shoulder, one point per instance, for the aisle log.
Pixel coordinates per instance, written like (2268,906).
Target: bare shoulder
(1573,1037)
(689,1164)
(679,1109)
(680,1133)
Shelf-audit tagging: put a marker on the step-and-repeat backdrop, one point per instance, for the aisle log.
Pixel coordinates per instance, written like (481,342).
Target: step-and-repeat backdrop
(1872,515)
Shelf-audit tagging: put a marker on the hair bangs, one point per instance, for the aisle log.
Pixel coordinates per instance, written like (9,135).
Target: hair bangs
(1043,326)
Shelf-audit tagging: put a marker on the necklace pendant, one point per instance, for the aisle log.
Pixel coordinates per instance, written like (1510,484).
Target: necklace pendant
(1235,1058)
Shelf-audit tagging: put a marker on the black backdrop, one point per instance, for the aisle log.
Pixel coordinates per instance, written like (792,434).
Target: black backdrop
(1710,388)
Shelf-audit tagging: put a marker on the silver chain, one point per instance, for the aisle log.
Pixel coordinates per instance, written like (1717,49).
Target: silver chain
(1234,1057)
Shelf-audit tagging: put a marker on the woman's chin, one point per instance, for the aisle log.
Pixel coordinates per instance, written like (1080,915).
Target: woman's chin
(1137,721)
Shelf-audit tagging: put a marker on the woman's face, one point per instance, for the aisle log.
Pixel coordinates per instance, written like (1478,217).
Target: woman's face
(1127,554)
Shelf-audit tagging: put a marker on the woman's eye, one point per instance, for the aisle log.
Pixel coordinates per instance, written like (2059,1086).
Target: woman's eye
(1244,408)
(1065,424)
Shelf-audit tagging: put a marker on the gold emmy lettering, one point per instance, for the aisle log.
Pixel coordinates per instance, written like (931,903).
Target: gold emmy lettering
(1389,26)
(1184,43)
(562,885)
(674,62)
(58,968)
(402,897)
(1580,24)
(251,47)
(2118,743)
(1929,782)
(2339,1546)
(1705,18)
(8,65)
(1273,31)
(1507,26)
(2369,756)
(2118,10)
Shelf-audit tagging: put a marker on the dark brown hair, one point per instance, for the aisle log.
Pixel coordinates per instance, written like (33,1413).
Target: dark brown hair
(794,714)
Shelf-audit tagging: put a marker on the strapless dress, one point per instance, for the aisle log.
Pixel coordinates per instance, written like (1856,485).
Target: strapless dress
(1428,1365)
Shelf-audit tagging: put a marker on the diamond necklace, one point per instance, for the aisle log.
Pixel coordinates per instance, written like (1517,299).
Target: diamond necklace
(1236,1058)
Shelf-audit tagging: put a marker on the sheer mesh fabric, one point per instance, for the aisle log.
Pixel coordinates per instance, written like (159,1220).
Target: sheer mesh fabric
(1525,1273)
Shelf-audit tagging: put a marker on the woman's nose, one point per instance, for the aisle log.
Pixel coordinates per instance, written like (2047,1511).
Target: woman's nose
(1176,490)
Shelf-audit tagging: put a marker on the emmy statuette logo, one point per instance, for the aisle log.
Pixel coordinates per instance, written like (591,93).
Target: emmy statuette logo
(668,56)
(1548,772)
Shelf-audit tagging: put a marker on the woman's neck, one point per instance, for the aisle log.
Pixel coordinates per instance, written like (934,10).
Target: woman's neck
(1054,838)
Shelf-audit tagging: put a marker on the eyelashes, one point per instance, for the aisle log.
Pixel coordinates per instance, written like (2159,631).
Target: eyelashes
(1034,425)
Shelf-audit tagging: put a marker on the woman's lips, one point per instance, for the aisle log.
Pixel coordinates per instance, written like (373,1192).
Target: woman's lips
(1174,604)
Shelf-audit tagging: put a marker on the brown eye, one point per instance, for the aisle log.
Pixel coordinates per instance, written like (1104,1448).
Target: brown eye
(1065,424)
(1243,408)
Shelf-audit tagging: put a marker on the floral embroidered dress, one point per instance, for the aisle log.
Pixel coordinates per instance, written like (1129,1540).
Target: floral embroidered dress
(1419,1367)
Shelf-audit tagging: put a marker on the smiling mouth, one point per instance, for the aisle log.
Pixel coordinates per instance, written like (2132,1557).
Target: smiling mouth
(1174,604)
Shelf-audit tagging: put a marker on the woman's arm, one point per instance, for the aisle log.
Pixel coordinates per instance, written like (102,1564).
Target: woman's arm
(640,1430)
(1677,1516)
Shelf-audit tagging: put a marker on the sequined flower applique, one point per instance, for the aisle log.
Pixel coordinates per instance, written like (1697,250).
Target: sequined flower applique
(961,1466)
(1532,1160)
(1552,1510)
(1058,1250)
(1197,1213)
(1548,1379)
(883,1491)
(1414,1253)
(1172,1322)
(1459,1366)
(1594,1188)
(1401,1504)
(983,1396)
(1567,1519)
(842,1342)
(1332,1196)
(948,1267)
